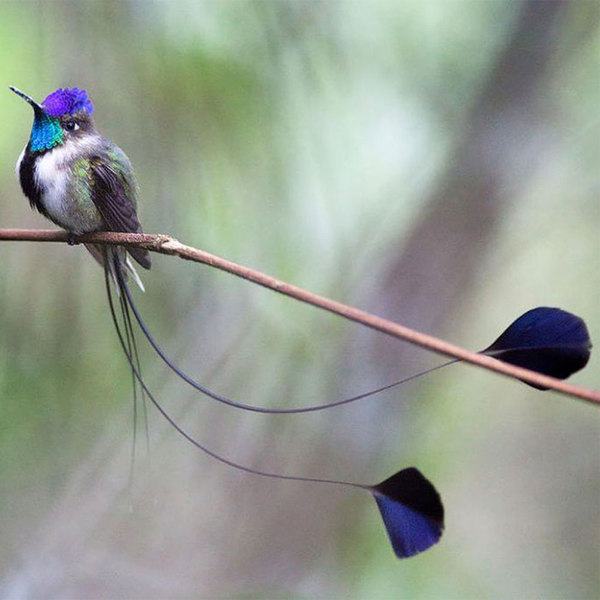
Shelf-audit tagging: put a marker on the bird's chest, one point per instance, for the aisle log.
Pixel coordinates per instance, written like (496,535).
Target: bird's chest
(65,191)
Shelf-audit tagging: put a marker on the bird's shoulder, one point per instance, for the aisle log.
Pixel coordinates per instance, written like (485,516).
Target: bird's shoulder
(104,164)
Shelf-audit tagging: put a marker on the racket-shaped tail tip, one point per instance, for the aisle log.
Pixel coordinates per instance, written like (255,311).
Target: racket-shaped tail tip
(412,512)
(547,340)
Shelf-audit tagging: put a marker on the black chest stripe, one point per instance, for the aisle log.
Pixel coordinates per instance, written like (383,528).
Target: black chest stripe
(28,184)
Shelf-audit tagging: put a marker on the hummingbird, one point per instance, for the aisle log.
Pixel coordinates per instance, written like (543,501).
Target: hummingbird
(79,179)
(83,182)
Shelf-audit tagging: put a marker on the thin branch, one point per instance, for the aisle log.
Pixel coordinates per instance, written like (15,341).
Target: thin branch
(165,244)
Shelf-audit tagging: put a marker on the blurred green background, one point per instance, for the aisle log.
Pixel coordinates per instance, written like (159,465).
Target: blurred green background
(434,162)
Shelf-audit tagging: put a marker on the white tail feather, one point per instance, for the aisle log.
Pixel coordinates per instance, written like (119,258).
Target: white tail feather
(133,273)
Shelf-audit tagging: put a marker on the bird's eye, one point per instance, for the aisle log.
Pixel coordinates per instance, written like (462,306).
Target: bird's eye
(71,126)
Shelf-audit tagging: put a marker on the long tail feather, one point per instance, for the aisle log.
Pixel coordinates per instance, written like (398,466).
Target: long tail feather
(559,361)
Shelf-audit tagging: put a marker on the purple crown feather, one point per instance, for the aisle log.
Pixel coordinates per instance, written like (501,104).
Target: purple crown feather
(67,101)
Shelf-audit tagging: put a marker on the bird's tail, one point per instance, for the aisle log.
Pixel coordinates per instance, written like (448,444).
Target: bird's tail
(105,255)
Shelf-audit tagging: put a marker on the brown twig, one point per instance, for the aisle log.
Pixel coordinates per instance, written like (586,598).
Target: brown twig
(165,244)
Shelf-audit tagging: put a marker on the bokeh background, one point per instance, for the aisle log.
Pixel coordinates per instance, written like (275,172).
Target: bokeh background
(436,163)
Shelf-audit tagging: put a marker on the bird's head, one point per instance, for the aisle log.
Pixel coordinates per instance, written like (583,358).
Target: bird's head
(64,115)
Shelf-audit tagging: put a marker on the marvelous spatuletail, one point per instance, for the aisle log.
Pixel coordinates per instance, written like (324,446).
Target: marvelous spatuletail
(84,183)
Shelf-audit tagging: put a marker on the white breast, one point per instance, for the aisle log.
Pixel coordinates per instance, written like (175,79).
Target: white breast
(52,172)
(51,175)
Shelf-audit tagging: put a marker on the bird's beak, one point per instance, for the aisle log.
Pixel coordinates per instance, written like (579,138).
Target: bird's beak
(37,109)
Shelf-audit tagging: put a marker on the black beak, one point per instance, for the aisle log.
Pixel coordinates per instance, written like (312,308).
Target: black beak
(37,109)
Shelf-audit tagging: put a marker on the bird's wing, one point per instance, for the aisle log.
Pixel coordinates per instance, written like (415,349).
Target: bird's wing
(112,194)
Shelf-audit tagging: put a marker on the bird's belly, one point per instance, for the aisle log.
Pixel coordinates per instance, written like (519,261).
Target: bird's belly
(67,204)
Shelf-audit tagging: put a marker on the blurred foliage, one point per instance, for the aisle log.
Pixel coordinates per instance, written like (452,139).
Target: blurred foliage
(387,154)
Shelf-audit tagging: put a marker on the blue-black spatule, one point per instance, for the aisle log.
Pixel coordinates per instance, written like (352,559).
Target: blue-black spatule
(547,340)
(412,512)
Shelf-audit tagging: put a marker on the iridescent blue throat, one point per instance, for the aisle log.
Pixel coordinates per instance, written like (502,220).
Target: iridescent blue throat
(45,133)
